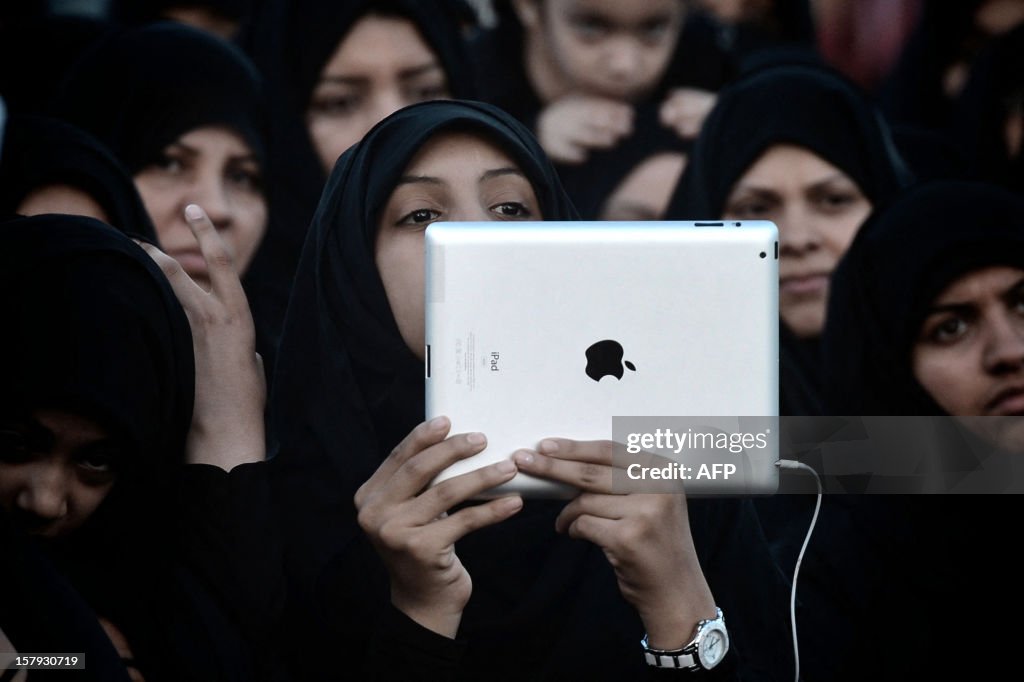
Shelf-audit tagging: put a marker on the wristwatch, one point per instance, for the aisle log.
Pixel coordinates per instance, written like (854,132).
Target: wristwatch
(706,650)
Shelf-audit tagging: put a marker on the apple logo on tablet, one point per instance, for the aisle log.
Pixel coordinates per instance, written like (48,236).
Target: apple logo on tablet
(604,359)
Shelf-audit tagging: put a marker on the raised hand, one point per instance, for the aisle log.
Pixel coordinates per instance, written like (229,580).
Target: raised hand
(227,419)
(409,526)
(570,127)
(646,537)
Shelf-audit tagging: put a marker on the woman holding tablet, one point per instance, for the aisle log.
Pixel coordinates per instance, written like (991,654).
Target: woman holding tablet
(504,588)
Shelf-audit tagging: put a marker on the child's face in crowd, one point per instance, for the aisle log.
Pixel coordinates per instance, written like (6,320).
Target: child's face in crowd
(969,355)
(453,177)
(606,48)
(818,210)
(213,167)
(381,66)
(61,199)
(55,469)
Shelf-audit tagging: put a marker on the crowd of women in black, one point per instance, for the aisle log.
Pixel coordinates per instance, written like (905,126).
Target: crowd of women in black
(213,460)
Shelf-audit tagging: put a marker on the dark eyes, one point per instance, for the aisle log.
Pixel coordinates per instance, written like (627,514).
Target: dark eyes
(429,92)
(590,27)
(509,210)
(654,31)
(748,210)
(420,216)
(99,459)
(948,330)
(835,201)
(14,446)
(512,209)
(247,179)
(170,163)
(339,105)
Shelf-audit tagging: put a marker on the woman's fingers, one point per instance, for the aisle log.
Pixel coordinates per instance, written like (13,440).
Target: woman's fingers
(463,522)
(603,506)
(419,470)
(445,495)
(187,292)
(587,465)
(224,280)
(420,438)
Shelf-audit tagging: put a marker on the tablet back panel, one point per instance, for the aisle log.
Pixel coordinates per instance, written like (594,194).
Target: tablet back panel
(512,309)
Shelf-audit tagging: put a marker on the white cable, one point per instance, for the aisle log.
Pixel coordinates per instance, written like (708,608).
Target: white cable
(793,464)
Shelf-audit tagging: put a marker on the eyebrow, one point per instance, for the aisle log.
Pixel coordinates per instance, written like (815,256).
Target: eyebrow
(404,74)
(498,172)
(430,180)
(248,157)
(418,179)
(835,177)
(964,305)
(762,192)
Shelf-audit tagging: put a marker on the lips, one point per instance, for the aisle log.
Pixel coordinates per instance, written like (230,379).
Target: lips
(1008,402)
(802,285)
(192,262)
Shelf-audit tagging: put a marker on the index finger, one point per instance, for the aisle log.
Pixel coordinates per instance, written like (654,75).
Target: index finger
(188,293)
(420,438)
(224,280)
(593,451)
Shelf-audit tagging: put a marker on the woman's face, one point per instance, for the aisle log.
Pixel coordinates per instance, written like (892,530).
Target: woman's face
(605,48)
(969,355)
(213,167)
(55,469)
(453,177)
(381,66)
(818,210)
(970,352)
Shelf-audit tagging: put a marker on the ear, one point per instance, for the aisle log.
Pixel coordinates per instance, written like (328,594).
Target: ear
(528,12)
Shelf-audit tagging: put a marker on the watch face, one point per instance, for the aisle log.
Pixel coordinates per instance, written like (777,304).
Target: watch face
(713,647)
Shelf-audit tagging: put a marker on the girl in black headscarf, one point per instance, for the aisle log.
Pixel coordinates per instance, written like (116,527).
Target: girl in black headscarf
(109,392)
(183,111)
(349,390)
(925,320)
(50,166)
(798,145)
(333,70)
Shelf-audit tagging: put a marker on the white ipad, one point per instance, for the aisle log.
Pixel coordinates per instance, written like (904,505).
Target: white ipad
(555,329)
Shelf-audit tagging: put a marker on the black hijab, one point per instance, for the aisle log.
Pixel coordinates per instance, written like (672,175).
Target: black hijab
(92,327)
(38,152)
(801,105)
(903,257)
(348,388)
(939,558)
(341,348)
(291,41)
(140,89)
(994,91)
